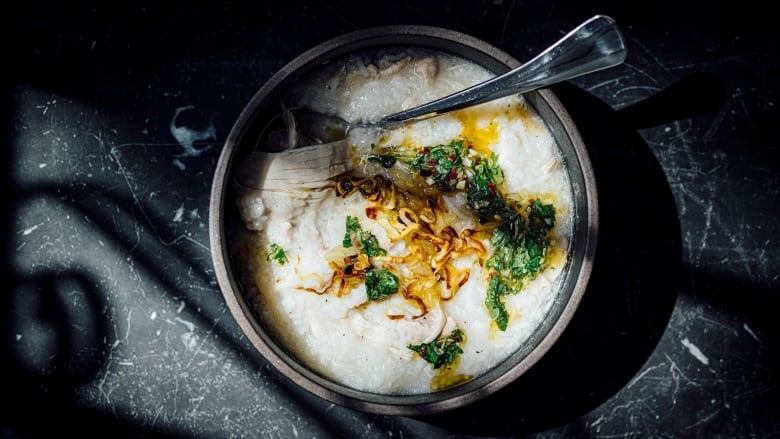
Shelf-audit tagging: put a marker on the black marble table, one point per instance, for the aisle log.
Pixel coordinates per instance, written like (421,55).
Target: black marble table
(113,323)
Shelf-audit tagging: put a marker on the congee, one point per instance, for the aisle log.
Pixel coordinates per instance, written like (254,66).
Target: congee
(437,251)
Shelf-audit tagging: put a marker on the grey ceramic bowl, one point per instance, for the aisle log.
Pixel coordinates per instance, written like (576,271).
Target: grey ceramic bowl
(223,213)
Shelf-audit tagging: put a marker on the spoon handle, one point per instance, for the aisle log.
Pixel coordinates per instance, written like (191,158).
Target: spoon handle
(594,45)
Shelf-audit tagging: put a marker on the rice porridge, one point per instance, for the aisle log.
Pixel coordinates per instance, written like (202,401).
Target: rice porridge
(434,256)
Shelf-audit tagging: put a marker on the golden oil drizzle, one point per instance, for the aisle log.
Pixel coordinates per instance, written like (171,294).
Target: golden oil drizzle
(449,377)
(479,127)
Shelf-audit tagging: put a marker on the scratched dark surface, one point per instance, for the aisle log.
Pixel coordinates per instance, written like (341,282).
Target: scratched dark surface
(113,323)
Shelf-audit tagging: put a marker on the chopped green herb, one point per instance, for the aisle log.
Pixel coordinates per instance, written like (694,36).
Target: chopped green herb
(386,160)
(482,188)
(386,156)
(494,301)
(276,253)
(520,247)
(442,351)
(380,283)
(443,164)
(364,241)
(455,166)
(352,229)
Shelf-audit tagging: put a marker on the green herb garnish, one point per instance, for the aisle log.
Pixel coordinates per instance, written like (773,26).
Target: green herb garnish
(521,241)
(380,284)
(443,164)
(455,166)
(386,160)
(276,253)
(442,351)
(364,241)
(520,247)
(482,190)
(494,301)
(386,157)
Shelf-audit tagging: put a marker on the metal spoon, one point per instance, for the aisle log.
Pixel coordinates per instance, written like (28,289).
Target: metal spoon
(595,44)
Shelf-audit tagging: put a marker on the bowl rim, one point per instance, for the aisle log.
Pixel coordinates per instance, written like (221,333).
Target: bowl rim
(422,404)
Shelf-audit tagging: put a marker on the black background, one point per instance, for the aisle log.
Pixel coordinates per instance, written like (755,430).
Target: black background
(112,320)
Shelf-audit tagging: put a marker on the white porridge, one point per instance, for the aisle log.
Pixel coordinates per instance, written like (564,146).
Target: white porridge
(438,252)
